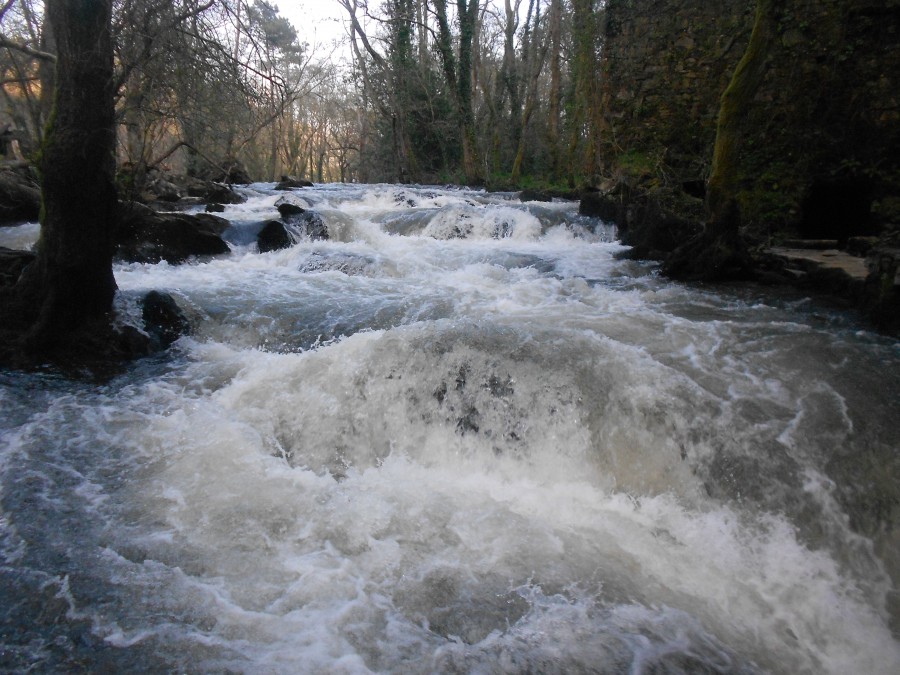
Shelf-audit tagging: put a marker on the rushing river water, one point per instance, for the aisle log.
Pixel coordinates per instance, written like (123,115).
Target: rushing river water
(459,437)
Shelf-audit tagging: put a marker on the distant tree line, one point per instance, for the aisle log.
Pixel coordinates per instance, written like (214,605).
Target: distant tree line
(501,91)
(477,91)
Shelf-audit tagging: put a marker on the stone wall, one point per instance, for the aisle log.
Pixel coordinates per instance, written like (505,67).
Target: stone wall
(665,66)
(819,139)
(820,135)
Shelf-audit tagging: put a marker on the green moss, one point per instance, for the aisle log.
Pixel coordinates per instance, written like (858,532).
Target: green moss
(637,163)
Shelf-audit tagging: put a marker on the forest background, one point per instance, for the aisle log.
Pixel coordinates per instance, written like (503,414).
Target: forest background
(472,91)
(708,132)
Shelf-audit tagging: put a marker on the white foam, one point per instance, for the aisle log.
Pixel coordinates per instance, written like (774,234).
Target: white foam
(421,453)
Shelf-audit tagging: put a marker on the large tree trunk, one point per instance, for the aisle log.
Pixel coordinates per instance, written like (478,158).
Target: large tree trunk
(71,281)
(553,109)
(459,78)
(468,14)
(718,253)
(724,181)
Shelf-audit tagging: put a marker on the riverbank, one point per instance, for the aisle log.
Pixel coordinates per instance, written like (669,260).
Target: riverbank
(656,222)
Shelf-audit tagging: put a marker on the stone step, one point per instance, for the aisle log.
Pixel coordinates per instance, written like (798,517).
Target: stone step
(810,260)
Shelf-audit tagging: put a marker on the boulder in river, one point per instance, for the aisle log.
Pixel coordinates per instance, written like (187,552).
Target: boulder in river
(306,223)
(231,172)
(273,237)
(163,319)
(291,183)
(212,192)
(288,209)
(146,236)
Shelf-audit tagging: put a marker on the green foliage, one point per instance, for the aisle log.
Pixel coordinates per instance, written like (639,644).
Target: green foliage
(637,164)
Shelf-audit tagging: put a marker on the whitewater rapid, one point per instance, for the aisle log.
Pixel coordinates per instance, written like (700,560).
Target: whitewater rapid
(463,436)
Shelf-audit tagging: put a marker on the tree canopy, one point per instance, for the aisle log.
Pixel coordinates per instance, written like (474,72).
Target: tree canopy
(469,91)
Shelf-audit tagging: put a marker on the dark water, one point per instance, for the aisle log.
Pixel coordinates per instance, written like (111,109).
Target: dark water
(458,437)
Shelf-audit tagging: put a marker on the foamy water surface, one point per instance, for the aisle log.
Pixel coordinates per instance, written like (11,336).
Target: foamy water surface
(460,436)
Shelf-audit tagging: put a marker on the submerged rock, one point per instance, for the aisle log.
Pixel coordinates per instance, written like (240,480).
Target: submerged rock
(548,195)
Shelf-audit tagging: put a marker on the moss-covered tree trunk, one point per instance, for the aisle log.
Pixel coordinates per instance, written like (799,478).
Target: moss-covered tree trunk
(731,137)
(718,253)
(71,282)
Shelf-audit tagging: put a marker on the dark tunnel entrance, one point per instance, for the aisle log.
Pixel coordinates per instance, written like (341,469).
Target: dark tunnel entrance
(838,209)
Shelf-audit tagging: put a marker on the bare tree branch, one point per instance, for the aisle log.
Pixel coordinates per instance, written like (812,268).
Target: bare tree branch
(25,49)
(6,7)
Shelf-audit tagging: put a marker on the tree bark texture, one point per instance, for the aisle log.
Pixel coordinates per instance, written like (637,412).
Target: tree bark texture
(725,179)
(459,78)
(72,280)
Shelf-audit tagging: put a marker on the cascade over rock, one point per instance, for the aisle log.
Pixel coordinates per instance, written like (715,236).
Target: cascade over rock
(305,223)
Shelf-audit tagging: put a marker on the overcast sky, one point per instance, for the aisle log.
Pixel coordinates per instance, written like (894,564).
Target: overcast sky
(318,22)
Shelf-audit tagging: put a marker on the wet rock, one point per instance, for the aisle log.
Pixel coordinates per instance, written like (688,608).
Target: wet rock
(273,237)
(653,221)
(873,283)
(548,195)
(143,235)
(288,209)
(215,193)
(181,190)
(20,196)
(861,246)
(291,183)
(307,224)
(812,244)
(606,206)
(163,190)
(163,319)
(882,286)
(215,208)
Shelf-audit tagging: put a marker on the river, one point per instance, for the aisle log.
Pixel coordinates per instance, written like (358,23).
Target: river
(461,436)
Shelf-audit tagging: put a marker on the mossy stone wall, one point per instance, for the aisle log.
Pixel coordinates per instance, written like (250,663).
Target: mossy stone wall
(665,65)
(819,143)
